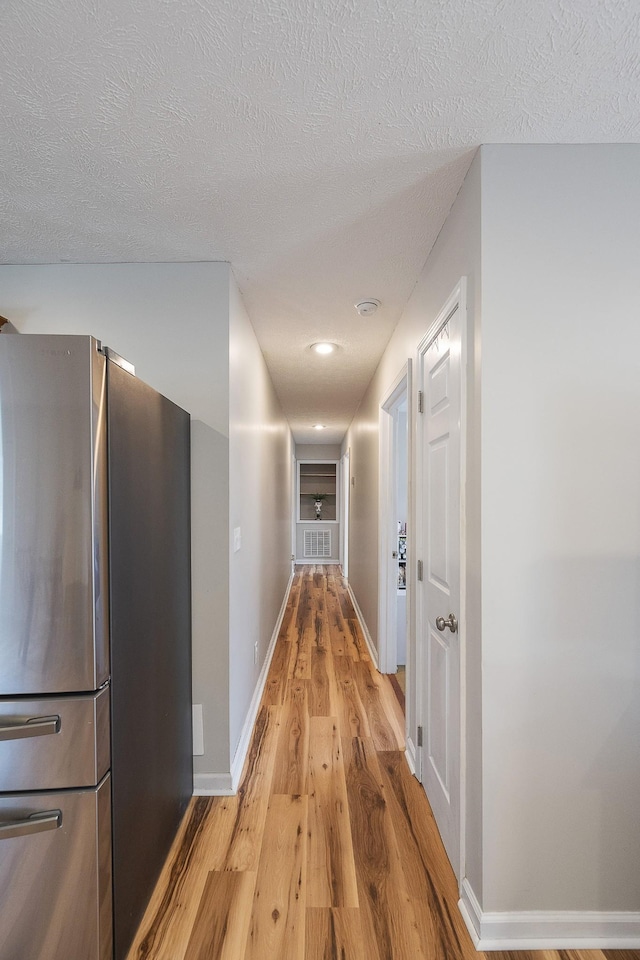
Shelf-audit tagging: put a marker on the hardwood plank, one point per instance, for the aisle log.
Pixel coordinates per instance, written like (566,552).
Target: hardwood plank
(278,672)
(397,689)
(562,955)
(358,641)
(292,751)
(291,608)
(418,883)
(330,850)
(595,954)
(348,610)
(389,926)
(331,875)
(369,683)
(323,690)
(333,934)
(303,619)
(199,846)
(337,627)
(392,707)
(321,634)
(415,807)
(277,928)
(246,838)
(544,955)
(425,864)
(300,663)
(352,716)
(220,929)
(352,648)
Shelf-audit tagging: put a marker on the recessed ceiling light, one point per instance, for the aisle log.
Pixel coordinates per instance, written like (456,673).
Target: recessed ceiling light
(323,347)
(318,426)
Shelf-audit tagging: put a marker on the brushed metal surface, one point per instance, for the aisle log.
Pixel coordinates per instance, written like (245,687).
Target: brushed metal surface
(39,726)
(77,755)
(63,871)
(36,823)
(53,611)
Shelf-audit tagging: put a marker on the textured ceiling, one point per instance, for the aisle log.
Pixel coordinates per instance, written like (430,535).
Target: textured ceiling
(315,144)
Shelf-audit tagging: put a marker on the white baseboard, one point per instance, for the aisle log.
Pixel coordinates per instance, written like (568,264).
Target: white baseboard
(212,785)
(365,629)
(226,784)
(547,930)
(242,749)
(410,754)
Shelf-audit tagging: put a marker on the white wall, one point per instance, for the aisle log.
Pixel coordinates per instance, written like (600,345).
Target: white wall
(549,239)
(185,329)
(210,599)
(169,319)
(260,484)
(456,253)
(318,451)
(561,527)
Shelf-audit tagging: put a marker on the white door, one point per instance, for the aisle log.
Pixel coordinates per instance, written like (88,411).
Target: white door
(438,593)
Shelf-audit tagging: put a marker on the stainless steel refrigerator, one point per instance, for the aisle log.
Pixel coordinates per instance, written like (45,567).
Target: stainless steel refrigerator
(95,669)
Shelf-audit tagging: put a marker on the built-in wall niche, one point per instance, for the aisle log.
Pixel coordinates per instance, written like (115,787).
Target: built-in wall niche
(317,490)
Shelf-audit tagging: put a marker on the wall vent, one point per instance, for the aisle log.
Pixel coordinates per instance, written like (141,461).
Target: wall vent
(317,543)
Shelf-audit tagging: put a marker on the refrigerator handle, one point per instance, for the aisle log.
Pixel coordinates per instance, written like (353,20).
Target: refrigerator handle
(36,823)
(35,727)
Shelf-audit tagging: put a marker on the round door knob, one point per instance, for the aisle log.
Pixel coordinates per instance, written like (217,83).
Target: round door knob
(450,622)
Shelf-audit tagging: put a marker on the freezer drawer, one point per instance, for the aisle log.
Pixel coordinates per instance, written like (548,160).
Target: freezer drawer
(54,742)
(55,875)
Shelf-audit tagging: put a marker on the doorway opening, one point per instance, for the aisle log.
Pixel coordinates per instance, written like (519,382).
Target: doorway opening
(345,473)
(394,525)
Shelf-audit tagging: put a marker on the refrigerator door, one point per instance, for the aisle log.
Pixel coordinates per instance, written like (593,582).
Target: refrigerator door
(55,875)
(53,547)
(151,749)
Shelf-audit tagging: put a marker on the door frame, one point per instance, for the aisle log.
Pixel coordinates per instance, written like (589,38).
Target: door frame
(456,301)
(345,483)
(400,389)
(294,526)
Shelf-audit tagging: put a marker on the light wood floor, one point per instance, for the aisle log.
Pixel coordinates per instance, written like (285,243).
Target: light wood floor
(330,850)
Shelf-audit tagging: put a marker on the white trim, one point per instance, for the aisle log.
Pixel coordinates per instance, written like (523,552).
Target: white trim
(548,930)
(247,730)
(226,784)
(365,629)
(387,518)
(345,484)
(410,754)
(212,785)
(471,911)
(464,348)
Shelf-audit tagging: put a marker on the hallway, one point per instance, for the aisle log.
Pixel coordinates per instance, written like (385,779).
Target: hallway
(329,851)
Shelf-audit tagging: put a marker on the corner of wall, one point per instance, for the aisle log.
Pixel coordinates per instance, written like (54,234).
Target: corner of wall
(210,602)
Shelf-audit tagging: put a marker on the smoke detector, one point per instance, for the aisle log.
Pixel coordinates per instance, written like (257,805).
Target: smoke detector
(367,308)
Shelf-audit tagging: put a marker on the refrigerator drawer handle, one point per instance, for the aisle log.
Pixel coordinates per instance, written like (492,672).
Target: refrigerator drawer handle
(36,727)
(36,823)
